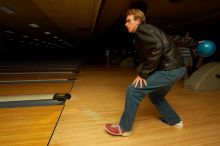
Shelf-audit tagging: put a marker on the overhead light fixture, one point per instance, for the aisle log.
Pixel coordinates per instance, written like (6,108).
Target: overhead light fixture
(47,32)
(55,37)
(34,25)
(7,10)
(36,39)
(25,36)
(68,44)
(9,31)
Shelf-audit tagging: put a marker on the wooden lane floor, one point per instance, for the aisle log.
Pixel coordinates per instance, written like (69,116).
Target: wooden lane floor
(28,126)
(98,98)
(36,88)
(37,77)
(39,66)
(25,125)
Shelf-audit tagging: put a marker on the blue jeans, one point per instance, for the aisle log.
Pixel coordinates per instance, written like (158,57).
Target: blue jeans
(158,85)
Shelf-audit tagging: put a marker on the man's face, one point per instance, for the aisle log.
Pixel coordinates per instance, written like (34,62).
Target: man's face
(131,23)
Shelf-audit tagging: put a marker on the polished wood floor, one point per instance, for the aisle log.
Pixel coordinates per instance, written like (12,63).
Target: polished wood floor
(28,126)
(98,98)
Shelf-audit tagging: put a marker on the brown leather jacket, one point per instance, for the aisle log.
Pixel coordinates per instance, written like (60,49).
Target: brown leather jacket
(155,50)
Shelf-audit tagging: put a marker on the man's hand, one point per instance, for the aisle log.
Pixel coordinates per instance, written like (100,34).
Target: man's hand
(137,80)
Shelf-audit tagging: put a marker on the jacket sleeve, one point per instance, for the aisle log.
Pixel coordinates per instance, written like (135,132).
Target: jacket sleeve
(150,48)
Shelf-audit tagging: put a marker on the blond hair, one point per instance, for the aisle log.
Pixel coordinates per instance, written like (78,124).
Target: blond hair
(138,14)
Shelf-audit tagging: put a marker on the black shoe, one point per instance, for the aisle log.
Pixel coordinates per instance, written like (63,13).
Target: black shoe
(178,125)
(163,120)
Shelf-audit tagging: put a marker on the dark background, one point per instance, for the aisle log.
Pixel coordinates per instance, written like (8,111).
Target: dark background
(86,29)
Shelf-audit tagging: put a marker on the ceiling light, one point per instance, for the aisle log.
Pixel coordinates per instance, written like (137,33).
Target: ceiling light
(55,37)
(7,10)
(47,32)
(36,39)
(68,44)
(8,31)
(25,36)
(34,25)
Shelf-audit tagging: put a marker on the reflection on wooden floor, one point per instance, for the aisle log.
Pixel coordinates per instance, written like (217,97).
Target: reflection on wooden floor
(28,126)
(98,98)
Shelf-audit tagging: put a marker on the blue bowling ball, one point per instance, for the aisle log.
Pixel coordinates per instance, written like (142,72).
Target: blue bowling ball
(206,48)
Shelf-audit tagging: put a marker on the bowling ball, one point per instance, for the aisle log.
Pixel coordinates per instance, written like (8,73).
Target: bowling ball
(206,48)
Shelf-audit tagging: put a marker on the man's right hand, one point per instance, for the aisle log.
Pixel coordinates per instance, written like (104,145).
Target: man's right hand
(140,80)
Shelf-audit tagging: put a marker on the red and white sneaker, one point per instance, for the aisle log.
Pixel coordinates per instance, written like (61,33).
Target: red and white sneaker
(115,129)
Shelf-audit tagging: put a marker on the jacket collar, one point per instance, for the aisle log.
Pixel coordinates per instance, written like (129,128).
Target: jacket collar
(141,27)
